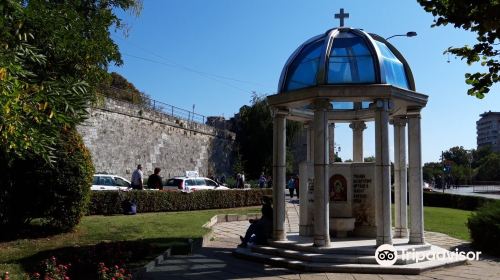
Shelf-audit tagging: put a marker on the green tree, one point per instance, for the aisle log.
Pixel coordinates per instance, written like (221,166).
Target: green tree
(52,56)
(461,162)
(254,136)
(56,193)
(483,18)
(117,86)
(490,168)
(369,159)
(459,155)
(479,155)
(432,171)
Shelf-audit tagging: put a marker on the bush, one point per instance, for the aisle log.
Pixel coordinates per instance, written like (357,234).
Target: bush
(110,202)
(447,200)
(484,228)
(57,193)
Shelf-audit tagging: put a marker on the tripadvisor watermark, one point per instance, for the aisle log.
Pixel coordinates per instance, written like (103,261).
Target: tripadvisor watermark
(387,255)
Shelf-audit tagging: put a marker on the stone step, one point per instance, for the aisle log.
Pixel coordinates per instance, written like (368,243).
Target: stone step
(326,258)
(408,269)
(367,250)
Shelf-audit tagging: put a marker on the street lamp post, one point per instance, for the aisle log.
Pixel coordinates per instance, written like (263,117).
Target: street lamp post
(470,157)
(408,34)
(336,150)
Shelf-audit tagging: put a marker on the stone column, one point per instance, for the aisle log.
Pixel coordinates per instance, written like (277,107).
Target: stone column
(382,173)
(305,213)
(357,140)
(279,173)
(310,142)
(416,181)
(400,189)
(331,141)
(321,161)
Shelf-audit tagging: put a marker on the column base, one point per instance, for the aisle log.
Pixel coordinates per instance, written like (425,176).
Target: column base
(321,241)
(416,239)
(279,235)
(384,240)
(306,230)
(401,232)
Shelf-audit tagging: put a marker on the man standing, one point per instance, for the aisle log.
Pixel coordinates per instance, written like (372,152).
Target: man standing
(137,178)
(262,181)
(154,180)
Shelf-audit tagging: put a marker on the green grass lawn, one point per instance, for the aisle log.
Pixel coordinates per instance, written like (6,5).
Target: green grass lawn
(163,230)
(449,221)
(445,220)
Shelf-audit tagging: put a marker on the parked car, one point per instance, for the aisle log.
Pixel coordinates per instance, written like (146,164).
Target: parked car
(106,182)
(190,184)
(427,187)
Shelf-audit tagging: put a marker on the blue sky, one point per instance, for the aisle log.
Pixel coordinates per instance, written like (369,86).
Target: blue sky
(214,54)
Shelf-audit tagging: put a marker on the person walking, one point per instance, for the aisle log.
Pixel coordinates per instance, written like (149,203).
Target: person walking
(137,178)
(154,180)
(242,180)
(291,186)
(238,181)
(270,182)
(262,181)
(296,185)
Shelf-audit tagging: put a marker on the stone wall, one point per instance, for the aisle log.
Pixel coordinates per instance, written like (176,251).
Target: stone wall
(121,135)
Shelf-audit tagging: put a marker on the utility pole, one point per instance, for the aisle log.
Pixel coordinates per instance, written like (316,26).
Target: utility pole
(443,168)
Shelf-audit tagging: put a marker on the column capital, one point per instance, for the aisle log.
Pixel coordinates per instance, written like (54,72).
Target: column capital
(278,112)
(414,115)
(399,121)
(381,105)
(321,104)
(413,112)
(357,125)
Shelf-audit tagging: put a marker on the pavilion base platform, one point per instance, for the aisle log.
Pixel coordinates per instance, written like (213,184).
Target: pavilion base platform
(345,255)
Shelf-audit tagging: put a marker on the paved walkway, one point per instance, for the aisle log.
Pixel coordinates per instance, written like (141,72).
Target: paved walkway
(214,261)
(469,191)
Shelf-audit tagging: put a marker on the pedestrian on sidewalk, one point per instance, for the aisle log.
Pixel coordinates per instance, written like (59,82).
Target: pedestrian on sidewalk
(137,178)
(262,181)
(291,186)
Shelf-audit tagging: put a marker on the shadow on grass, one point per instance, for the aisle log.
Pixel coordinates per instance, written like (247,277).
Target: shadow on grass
(31,231)
(84,260)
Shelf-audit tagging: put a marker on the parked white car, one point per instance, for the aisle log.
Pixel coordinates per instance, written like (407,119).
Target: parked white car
(106,182)
(190,184)
(427,187)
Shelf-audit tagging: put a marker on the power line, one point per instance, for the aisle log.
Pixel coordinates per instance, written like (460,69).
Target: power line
(194,71)
(172,63)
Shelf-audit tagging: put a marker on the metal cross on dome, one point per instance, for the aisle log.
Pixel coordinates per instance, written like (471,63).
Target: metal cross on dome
(341,16)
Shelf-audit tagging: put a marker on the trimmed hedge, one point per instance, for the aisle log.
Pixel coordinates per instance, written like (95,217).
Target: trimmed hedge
(447,200)
(110,202)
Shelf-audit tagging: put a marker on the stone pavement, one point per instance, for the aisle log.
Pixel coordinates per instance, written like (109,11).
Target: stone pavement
(214,260)
(469,191)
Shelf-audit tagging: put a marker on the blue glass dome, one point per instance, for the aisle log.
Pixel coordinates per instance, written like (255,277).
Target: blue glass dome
(345,56)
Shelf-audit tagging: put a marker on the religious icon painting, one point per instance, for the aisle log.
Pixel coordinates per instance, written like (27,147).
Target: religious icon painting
(338,188)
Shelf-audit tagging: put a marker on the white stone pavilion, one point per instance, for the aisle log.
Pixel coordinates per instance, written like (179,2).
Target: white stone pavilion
(348,75)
